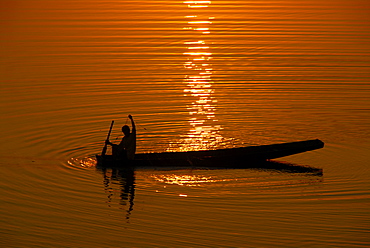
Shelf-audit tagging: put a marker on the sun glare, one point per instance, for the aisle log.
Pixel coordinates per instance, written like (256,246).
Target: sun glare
(204,133)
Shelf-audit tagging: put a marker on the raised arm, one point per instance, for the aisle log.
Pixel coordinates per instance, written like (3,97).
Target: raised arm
(132,123)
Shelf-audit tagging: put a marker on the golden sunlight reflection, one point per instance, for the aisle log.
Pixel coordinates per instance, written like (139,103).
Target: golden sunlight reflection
(197,4)
(204,131)
(84,162)
(185,180)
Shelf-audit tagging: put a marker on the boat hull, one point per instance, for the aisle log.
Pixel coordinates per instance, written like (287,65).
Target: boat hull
(231,157)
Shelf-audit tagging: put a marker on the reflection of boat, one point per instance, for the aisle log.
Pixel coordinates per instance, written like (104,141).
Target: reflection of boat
(242,157)
(125,179)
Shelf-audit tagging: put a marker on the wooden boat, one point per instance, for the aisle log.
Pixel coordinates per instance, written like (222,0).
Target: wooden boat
(242,157)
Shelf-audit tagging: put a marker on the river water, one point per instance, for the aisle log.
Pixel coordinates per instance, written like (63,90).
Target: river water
(195,75)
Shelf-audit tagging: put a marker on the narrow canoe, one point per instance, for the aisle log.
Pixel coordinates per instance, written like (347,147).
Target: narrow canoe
(225,158)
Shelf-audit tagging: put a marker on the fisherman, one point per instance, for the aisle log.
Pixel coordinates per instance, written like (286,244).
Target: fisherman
(125,150)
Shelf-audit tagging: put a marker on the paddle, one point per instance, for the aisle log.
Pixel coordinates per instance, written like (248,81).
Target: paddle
(105,146)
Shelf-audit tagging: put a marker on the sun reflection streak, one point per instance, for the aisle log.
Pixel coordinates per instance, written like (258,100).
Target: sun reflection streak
(198,4)
(204,133)
(185,180)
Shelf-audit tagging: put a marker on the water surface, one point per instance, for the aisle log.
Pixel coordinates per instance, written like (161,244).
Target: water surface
(195,75)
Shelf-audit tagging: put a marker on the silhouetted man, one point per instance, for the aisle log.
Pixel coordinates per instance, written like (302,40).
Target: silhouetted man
(127,147)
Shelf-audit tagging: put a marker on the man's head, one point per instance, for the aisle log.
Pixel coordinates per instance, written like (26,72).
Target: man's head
(126,130)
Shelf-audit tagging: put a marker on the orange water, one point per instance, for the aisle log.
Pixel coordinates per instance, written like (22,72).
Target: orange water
(195,75)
